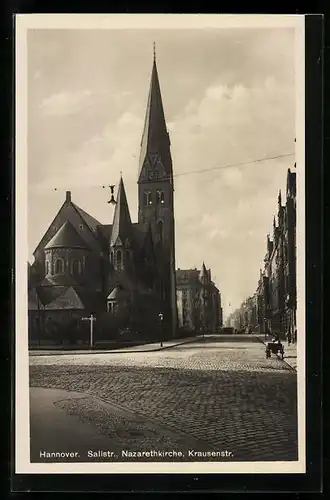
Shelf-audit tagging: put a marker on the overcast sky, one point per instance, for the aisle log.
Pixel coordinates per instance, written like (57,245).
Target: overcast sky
(229,97)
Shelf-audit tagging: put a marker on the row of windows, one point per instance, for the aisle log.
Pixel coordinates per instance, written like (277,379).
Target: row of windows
(76,266)
(148,198)
(119,257)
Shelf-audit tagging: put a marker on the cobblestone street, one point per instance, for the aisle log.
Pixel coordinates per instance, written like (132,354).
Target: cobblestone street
(218,393)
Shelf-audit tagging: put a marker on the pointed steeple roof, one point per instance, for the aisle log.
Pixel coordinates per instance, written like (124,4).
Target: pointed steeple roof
(122,225)
(203,274)
(66,237)
(155,138)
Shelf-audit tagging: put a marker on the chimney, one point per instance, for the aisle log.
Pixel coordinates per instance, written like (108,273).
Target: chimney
(68,196)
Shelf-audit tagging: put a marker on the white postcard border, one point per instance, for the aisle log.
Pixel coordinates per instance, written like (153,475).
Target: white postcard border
(148,21)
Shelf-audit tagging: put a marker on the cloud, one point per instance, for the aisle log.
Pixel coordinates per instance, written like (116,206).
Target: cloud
(65,103)
(228,98)
(231,207)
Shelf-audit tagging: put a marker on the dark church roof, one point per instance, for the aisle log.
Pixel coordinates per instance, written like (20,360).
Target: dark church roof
(91,222)
(105,231)
(48,294)
(122,224)
(118,293)
(155,137)
(66,237)
(58,280)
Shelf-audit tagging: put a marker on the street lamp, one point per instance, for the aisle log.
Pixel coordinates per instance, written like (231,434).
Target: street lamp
(161,318)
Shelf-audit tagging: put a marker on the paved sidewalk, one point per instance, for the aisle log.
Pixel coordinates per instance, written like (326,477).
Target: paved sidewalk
(290,351)
(157,346)
(71,426)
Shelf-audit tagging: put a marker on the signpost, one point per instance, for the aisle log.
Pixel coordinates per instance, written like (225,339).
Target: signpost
(91,319)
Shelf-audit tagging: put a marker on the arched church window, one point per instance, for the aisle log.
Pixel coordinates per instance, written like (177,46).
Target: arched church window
(79,268)
(119,258)
(111,257)
(112,307)
(47,267)
(147,198)
(160,197)
(59,266)
(128,255)
(160,230)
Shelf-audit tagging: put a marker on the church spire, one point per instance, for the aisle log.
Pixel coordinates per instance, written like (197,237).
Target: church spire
(155,138)
(122,225)
(203,275)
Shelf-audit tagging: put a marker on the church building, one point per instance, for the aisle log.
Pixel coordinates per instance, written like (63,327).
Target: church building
(123,272)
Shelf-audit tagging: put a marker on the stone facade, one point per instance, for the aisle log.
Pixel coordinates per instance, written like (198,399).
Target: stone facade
(276,294)
(199,301)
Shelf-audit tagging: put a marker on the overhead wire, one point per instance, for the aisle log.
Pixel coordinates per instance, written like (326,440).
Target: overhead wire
(220,167)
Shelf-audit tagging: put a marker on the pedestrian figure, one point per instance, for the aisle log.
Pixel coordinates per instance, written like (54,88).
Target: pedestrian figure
(289,337)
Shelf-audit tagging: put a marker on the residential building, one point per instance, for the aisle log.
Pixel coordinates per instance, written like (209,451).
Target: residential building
(199,300)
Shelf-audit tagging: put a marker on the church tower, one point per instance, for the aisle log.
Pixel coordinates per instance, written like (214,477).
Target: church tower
(155,195)
(121,241)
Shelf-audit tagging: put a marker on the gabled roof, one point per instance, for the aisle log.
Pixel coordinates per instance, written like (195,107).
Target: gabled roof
(91,222)
(122,224)
(87,219)
(66,237)
(155,137)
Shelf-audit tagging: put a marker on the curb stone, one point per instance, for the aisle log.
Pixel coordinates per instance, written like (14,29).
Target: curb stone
(112,351)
